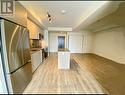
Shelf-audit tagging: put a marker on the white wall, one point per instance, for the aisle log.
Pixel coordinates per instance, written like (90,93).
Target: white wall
(53,40)
(110,44)
(53,43)
(45,40)
(83,45)
(87,41)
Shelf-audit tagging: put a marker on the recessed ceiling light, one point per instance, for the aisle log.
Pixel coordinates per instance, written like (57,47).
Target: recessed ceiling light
(63,11)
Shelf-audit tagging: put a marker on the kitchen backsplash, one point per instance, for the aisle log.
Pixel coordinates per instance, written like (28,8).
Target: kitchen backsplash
(35,43)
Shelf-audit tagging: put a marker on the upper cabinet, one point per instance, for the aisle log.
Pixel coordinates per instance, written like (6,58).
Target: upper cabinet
(19,16)
(34,29)
(23,17)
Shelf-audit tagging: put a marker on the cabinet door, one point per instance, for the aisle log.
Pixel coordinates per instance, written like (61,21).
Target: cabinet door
(34,35)
(33,30)
(34,62)
(36,59)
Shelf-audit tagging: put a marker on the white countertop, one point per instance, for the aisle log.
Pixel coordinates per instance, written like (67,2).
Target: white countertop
(63,50)
(33,50)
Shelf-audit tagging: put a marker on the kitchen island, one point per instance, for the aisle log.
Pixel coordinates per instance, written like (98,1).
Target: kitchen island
(63,59)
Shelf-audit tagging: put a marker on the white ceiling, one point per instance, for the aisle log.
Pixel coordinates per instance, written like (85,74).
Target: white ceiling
(76,11)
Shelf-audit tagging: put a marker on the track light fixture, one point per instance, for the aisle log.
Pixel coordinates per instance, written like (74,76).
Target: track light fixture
(49,17)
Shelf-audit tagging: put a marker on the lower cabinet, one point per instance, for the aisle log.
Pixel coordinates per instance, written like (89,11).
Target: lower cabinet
(36,59)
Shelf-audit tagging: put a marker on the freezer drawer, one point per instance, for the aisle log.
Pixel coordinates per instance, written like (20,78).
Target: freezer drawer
(21,78)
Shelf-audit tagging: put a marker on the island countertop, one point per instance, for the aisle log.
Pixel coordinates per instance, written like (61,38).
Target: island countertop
(34,50)
(63,50)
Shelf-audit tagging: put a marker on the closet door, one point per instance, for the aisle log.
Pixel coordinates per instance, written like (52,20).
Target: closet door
(75,43)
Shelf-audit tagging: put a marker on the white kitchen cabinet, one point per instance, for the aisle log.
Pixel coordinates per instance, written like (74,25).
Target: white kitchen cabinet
(19,16)
(64,59)
(34,35)
(34,30)
(36,59)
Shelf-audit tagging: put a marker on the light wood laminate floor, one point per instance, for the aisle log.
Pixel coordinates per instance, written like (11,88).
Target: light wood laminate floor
(88,74)
(109,74)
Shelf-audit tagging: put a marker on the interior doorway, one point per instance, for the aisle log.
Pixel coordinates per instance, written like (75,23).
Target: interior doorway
(61,42)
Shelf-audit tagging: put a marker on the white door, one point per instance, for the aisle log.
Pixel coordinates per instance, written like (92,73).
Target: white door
(75,43)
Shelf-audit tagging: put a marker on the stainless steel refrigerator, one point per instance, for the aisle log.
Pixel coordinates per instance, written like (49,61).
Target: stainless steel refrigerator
(16,55)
